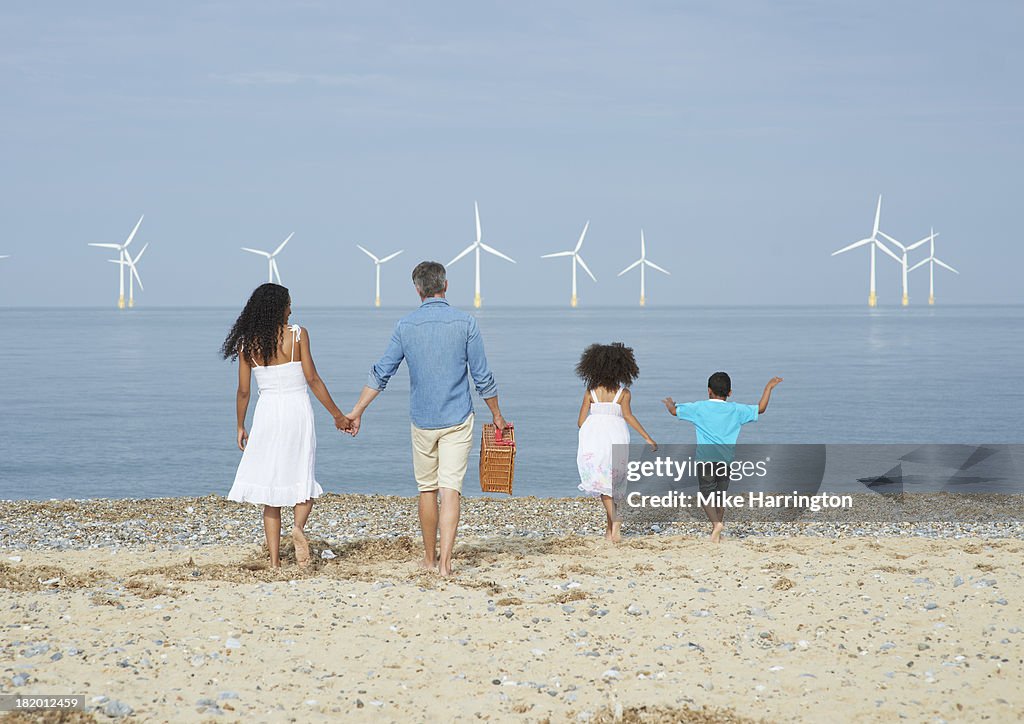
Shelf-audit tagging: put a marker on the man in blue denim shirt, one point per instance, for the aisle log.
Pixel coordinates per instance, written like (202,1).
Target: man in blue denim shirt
(443,348)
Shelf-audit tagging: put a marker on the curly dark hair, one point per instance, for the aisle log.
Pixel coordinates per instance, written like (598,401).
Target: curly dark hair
(260,326)
(610,366)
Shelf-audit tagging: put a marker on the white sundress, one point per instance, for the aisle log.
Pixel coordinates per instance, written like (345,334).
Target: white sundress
(277,466)
(603,428)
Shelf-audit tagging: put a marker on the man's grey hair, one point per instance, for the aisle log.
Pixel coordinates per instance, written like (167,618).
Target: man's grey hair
(429,278)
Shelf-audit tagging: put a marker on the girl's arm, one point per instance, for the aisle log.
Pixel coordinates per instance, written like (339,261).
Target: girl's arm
(317,385)
(584,409)
(627,414)
(242,398)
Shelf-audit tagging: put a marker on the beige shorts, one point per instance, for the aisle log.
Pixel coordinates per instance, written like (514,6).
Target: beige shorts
(440,457)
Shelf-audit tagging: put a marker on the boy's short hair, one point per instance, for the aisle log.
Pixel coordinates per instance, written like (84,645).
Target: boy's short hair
(720,384)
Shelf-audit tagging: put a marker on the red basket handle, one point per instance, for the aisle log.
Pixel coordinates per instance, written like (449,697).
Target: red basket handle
(498,440)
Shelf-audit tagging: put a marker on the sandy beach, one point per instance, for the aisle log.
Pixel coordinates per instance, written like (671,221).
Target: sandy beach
(781,624)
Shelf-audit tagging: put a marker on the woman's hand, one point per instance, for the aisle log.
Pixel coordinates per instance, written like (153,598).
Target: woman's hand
(342,422)
(654,445)
(243,438)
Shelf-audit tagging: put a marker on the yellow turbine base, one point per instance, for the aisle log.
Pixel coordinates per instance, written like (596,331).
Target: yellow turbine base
(120,302)
(377,302)
(906,300)
(872,300)
(931,299)
(643,301)
(573,302)
(476,301)
(131,303)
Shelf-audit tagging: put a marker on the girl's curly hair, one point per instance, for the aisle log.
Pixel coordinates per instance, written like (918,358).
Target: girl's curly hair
(260,326)
(610,366)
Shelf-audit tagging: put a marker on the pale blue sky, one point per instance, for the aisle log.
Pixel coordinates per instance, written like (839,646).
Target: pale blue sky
(749,139)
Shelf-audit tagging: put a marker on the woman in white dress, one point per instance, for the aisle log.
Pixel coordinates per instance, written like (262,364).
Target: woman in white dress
(605,417)
(279,455)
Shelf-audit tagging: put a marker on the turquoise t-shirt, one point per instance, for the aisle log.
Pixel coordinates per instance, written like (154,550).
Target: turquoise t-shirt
(718,422)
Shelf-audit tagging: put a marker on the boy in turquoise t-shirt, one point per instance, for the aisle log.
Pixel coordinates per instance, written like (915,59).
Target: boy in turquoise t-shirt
(718,422)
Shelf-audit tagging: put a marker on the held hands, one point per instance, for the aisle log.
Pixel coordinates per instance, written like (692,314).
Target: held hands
(343,423)
(354,419)
(243,438)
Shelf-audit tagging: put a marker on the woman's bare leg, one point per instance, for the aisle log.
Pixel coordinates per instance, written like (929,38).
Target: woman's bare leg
(609,514)
(302,511)
(272,530)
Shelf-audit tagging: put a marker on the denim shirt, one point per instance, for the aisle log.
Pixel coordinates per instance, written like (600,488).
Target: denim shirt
(441,344)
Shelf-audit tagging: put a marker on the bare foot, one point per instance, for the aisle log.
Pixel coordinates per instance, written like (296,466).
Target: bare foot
(425,565)
(445,569)
(616,532)
(301,548)
(716,533)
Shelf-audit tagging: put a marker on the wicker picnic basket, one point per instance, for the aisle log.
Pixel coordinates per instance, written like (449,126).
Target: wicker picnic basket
(497,459)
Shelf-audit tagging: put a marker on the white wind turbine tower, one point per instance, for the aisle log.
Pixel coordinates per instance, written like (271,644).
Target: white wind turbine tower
(932,261)
(133,272)
(477,246)
(875,243)
(272,270)
(376,263)
(642,262)
(121,249)
(576,259)
(904,263)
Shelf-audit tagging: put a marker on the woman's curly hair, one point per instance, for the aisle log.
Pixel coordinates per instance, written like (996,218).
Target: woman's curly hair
(610,366)
(260,326)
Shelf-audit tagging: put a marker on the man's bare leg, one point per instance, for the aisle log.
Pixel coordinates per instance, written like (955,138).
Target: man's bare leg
(302,511)
(272,531)
(451,506)
(714,515)
(428,524)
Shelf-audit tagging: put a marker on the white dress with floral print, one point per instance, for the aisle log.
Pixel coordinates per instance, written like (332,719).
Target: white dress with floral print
(602,429)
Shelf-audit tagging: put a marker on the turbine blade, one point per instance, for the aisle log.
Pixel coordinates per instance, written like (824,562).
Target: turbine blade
(136,259)
(277,272)
(854,245)
(652,265)
(878,214)
(631,266)
(389,257)
(643,245)
(882,233)
(132,235)
(944,265)
(557,253)
(375,259)
(919,264)
(464,252)
(476,208)
(585,267)
(496,252)
(918,243)
(580,242)
(135,273)
(107,246)
(278,249)
(888,251)
(256,251)
(117,261)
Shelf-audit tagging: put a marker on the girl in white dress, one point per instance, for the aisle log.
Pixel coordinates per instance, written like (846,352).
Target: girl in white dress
(607,370)
(279,456)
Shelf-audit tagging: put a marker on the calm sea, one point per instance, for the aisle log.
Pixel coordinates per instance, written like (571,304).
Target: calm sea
(101,403)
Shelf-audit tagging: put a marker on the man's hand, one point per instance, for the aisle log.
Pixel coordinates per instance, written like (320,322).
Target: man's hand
(773,383)
(499,421)
(670,405)
(353,423)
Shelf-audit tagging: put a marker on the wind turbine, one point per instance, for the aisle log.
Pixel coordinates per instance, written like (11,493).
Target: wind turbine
(576,259)
(931,268)
(642,263)
(272,270)
(903,262)
(875,243)
(477,246)
(120,255)
(133,272)
(376,263)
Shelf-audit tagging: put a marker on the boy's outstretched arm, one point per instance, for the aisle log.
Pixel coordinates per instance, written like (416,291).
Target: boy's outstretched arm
(670,405)
(766,396)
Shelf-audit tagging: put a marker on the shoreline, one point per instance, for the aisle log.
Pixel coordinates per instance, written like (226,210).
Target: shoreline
(179,523)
